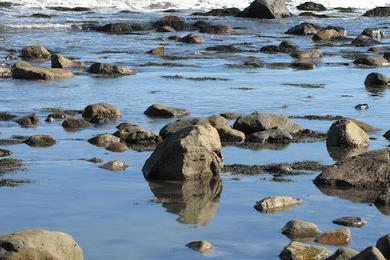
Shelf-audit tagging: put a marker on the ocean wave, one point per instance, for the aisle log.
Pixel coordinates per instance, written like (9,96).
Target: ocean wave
(36,26)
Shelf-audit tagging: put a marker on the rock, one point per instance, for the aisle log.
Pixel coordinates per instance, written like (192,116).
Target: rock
(166,29)
(190,153)
(220,12)
(376,80)
(101,112)
(29,121)
(308,54)
(74,124)
(383,244)
(295,229)
(95,160)
(303,65)
(369,171)
(172,21)
(179,125)
(270,136)
(24,70)
(311,6)
(374,33)
(346,134)
(110,70)
(117,147)
(267,9)
(230,135)
(5,72)
(60,62)
(298,250)
(35,52)
(39,244)
(277,204)
(371,253)
(137,138)
(327,34)
(378,11)
(203,246)
(303,29)
(40,141)
(383,198)
(159,51)
(160,110)
(271,49)
(115,166)
(104,140)
(192,38)
(70,9)
(341,236)
(120,28)
(230,115)
(223,48)
(288,47)
(4,153)
(364,41)
(387,135)
(256,122)
(350,221)
(311,14)
(371,61)
(344,253)
(362,107)
(216,29)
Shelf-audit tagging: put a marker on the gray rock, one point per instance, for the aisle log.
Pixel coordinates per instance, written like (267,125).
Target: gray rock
(378,11)
(179,125)
(163,111)
(296,229)
(40,141)
(74,124)
(364,41)
(346,134)
(350,221)
(371,61)
(101,113)
(383,244)
(370,253)
(267,9)
(375,33)
(192,38)
(297,250)
(344,253)
(311,6)
(110,70)
(24,70)
(270,136)
(277,204)
(117,147)
(60,62)
(304,29)
(104,140)
(36,52)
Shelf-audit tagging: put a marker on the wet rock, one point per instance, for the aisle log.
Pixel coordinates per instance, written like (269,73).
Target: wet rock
(298,250)
(341,236)
(364,41)
(362,107)
(24,70)
(4,152)
(304,29)
(344,253)
(110,70)
(277,204)
(383,244)
(350,221)
(203,246)
(328,34)
(267,9)
(95,160)
(70,9)
(374,33)
(159,51)
(174,22)
(288,47)
(220,12)
(101,112)
(60,62)
(163,111)
(296,229)
(376,80)
(230,115)
(40,141)
(226,132)
(192,39)
(371,253)
(383,199)
(256,122)
(8,165)
(387,135)
(271,49)
(311,6)
(179,125)
(29,121)
(136,137)
(303,65)
(5,116)
(104,140)
(39,244)
(166,29)
(120,28)
(223,48)
(378,11)
(74,124)
(215,29)
(117,147)
(5,72)
(35,52)
(270,136)
(115,166)
(191,153)
(371,61)
(253,63)
(307,54)
(368,171)
(346,134)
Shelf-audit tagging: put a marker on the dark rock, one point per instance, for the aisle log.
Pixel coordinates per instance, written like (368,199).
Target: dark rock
(120,28)
(70,9)
(350,221)
(174,22)
(378,11)
(29,121)
(375,33)
(223,48)
(267,9)
(311,6)
(192,38)
(60,62)
(4,153)
(364,41)
(311,14)
(110,70)
(383,244)
(74,124)
(270,136)
(203,246)
(297,250)
(220,12)
(40,141)
(159,51)
(36,52)
(101,112)
(376,80)
(371,61)
(344,253)
(163,111)
(371,253)
(304,29)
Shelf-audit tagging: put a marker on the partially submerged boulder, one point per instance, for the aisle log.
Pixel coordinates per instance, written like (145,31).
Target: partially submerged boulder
(29,121)
(203,246)
(266,9)
(192,39)
(172,21)
(346,134)
(104,140)
(380,11)
(371,253)
(191,153)
(341,236)
(298,250)
(304,29)
(74,124)
(277,204)
(24,70)
(311,6)
(101,112)
(161,110)
(344,253)
(35,52)
(364,41)
(375,33)
(106,69)
(40,141)
(375,79)
(115,166)
(383,244)
(295,229)
(120,28)
(60,62)
(371,61)
(328,34)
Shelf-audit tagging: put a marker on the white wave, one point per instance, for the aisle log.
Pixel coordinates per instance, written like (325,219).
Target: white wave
(148,5)
(36,26)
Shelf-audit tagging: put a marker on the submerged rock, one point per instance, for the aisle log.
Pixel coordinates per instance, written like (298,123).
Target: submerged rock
(375,33)
(74,124)
(341,236)
(159,51)
(40,141)
(267,9)
(39,244)
(8,165)
(110,70)
(160,110)
(29,121)
(117,147)
(172,21)
(36,52)
(364,41)
(298,250)
(190,153)
(101,112)
(328,34)
(115,166)
(297,229)
(277,204)
(104,140)
(5,72)
(350,221)
(270,136)
(346,134)
(371,61)
(4,153)
(24,70)
(203,246)
(304,29)
(137,138)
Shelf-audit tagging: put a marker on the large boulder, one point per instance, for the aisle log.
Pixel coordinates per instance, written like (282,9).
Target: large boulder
(35,52)
(172,21)
(298,250)
(341,236)
(369,171)
(101,112)
(160,110)
(39,244)
(364,41)
(295,229)
(256,122)
(60,62)
(267,9)
(378,11)
(375,33)
(311,6)
(277,204)
(104,140)
(110,70)
(346,134)
(191,153)
(40,141)
(192,39)
(24,70)
(375,79)
(344,253)
(74,124)
(328,34)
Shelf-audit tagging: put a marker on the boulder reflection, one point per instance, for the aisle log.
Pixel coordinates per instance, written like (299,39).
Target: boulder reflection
(194,201)
(339,154)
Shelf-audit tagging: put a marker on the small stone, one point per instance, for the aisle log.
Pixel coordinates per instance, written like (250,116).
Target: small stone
(336,237)
(49,119)
(40,141)
(300,251)
(117,147)
(104,140)
(29,121)
(296,229)
(60,62)
(95,160)
(203,246)
(115,166)
(362,107)
(4,153)
(277,204)
(350,221)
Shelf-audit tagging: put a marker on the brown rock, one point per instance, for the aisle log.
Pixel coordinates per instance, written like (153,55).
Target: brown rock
(341,236)
(203,246)
(101,112)
(37,52)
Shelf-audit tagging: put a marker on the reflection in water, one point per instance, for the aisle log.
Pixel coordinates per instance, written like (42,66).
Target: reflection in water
(260,146)
(376,91)
(339,154)
(194,201)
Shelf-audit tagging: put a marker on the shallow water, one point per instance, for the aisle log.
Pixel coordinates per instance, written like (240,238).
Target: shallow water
(120,216)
